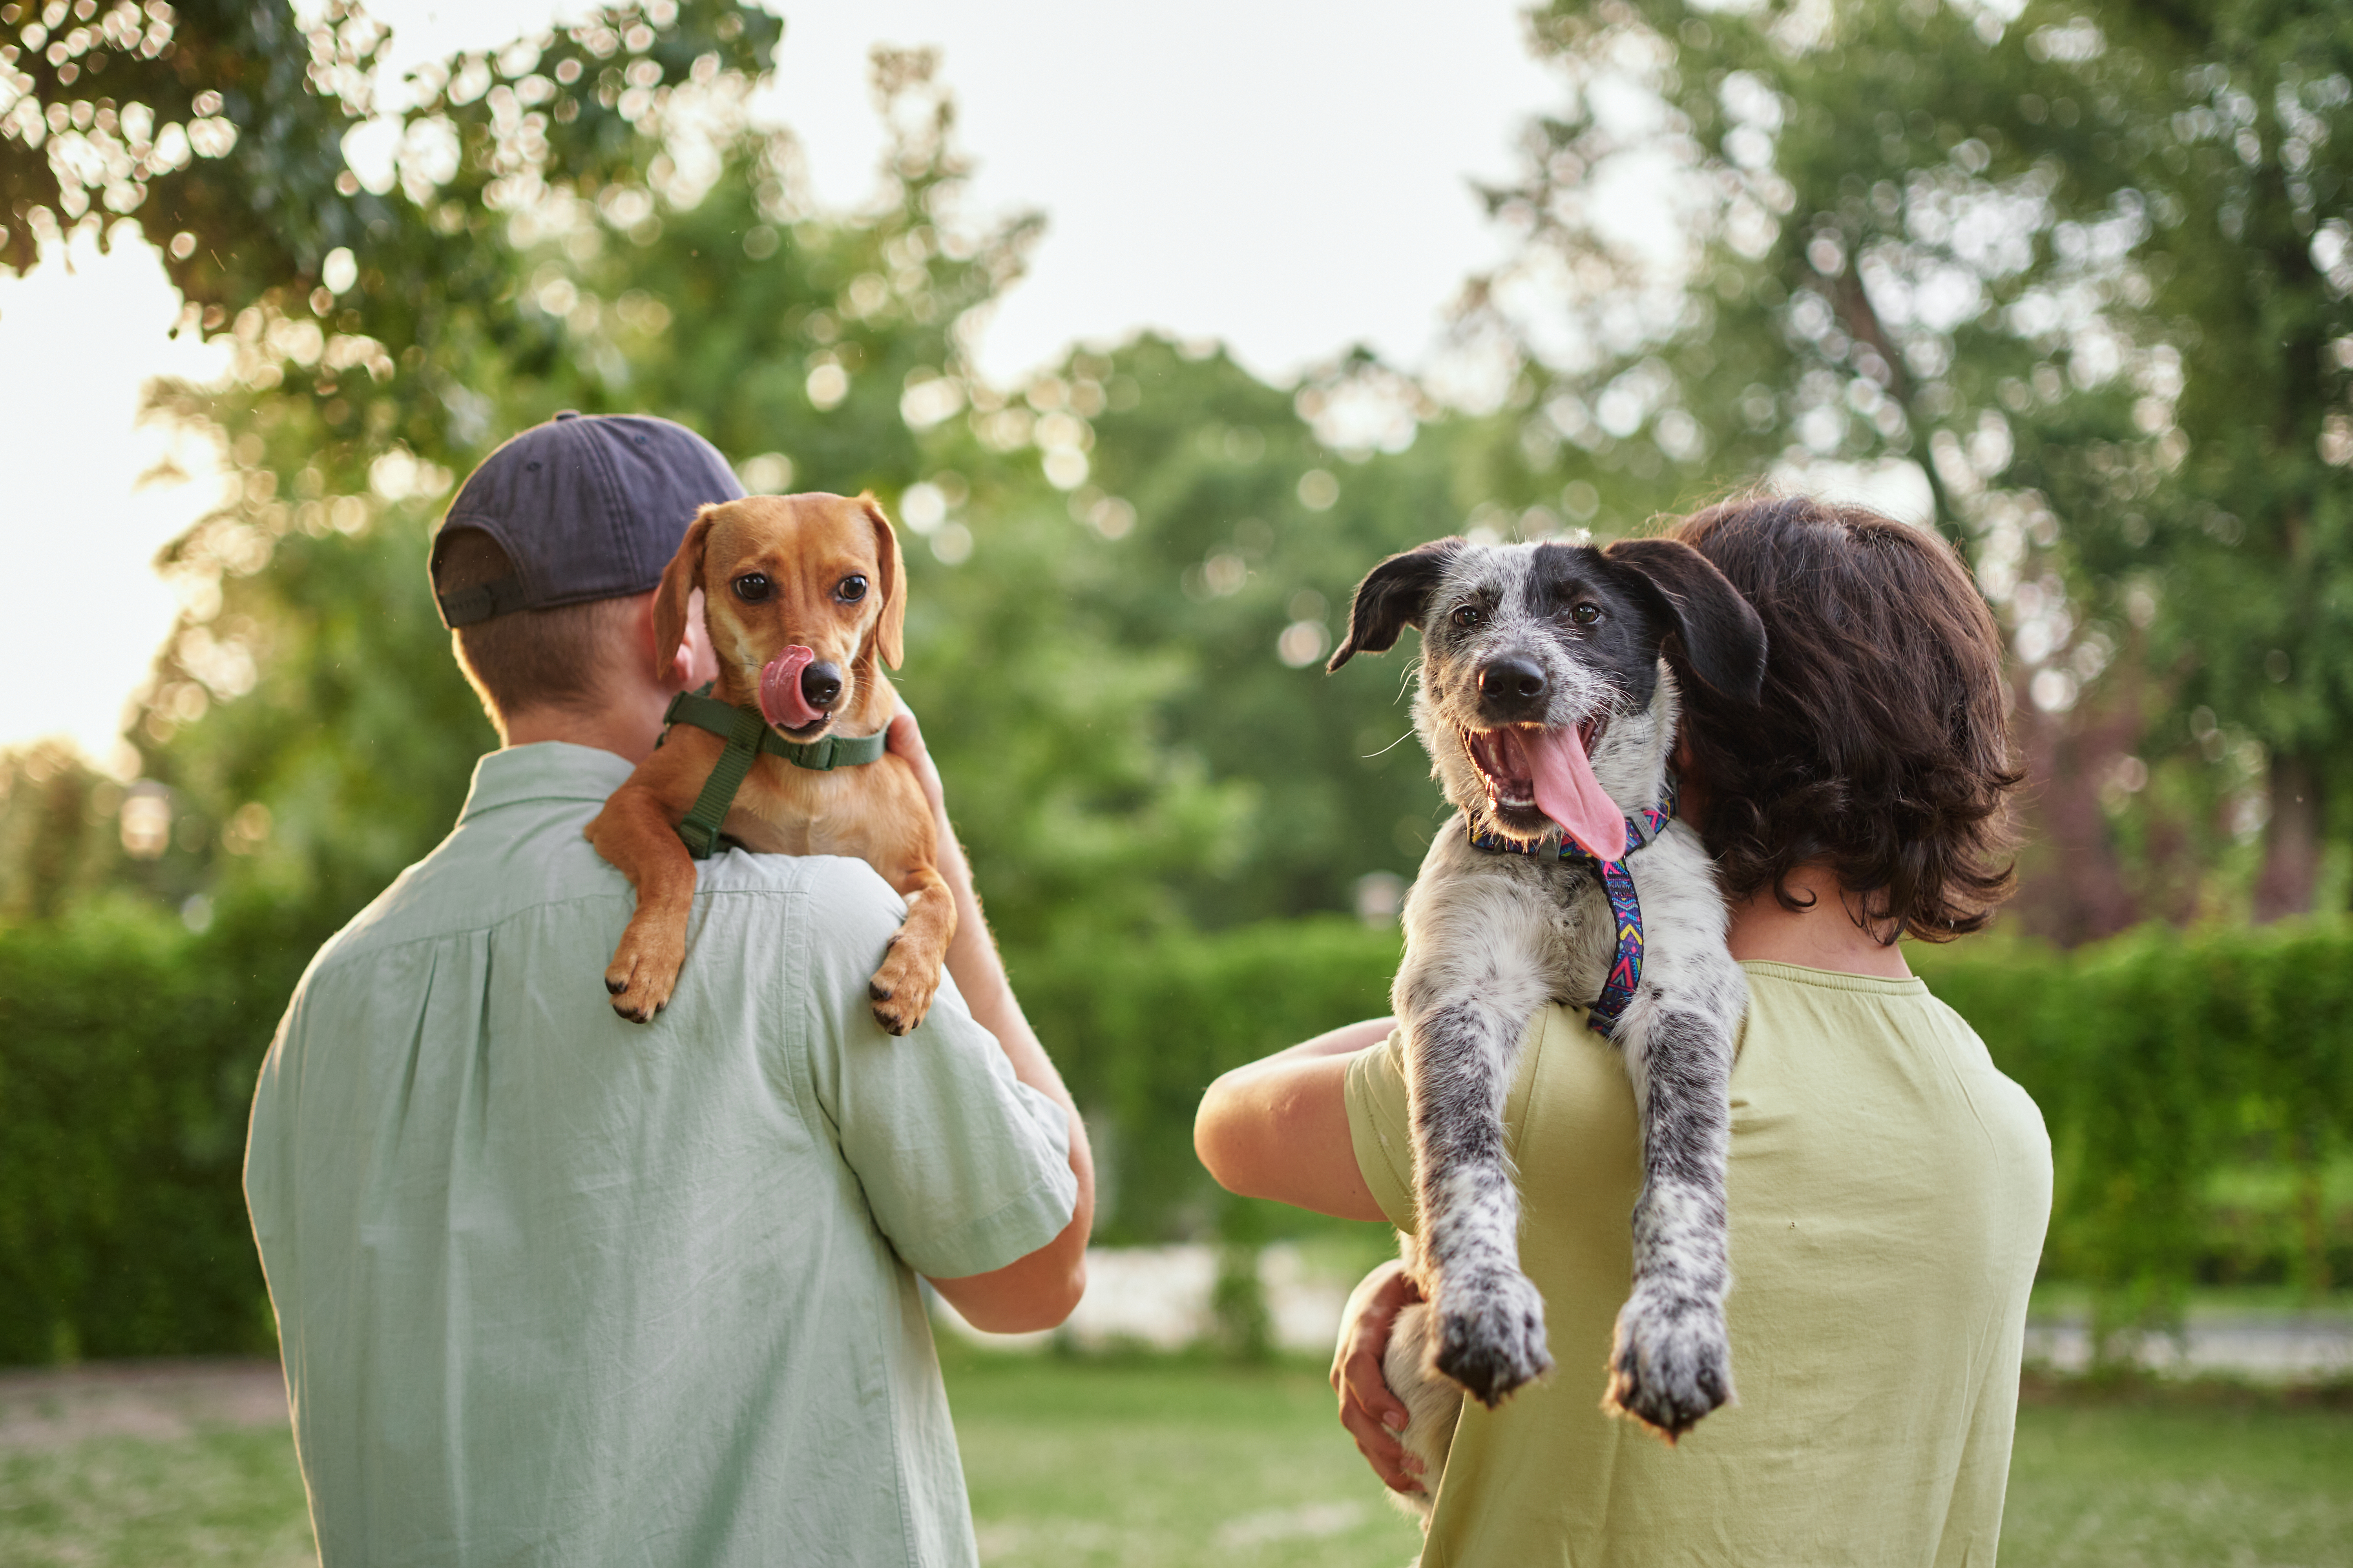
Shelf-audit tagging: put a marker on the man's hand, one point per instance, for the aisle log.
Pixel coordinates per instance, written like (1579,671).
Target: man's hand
(1368,1409)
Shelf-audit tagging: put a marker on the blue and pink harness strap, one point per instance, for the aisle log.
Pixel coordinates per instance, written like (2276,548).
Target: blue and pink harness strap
(1625,909)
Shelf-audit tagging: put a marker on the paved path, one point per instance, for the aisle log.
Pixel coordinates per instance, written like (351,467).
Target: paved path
(153,1399)
(1158,1296)
(2264,1349)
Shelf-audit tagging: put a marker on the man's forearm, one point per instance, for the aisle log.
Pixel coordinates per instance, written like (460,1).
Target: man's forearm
(979,972)
(1042,1289)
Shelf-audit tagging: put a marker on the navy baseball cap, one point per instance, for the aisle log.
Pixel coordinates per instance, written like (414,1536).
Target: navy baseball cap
(586,506)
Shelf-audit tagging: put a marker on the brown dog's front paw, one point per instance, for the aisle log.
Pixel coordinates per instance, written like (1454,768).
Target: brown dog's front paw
(643,973)
(902,989)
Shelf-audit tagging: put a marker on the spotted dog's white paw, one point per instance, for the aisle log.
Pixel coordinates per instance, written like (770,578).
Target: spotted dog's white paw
(1491,1332)
(1672,1362)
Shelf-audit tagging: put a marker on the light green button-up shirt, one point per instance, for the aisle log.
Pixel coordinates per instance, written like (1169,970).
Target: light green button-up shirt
(553,1288)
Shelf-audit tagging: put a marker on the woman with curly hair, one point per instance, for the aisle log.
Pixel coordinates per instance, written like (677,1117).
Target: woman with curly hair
(1887,1187)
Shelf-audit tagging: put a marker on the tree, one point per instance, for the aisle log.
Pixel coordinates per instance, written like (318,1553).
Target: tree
(305,717)
(2075,266)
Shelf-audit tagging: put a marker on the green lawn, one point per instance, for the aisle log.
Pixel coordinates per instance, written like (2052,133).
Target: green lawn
(1158,1464)
(2154,1485)
(1146,1463)
(228,1497)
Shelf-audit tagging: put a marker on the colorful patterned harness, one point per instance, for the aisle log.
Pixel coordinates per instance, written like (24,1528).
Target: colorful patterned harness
(1625,909)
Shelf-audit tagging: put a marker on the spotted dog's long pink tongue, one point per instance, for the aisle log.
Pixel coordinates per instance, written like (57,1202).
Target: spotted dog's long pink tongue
(1568,792)
(781,702)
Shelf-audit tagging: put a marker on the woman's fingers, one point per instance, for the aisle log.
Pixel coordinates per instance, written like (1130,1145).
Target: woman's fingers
(1389,1460)
(1358,1378)
(1371,1413)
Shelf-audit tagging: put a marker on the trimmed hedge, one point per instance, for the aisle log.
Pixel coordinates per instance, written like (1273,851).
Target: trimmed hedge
(2171,1069)
(128,1049)
(2197,1088)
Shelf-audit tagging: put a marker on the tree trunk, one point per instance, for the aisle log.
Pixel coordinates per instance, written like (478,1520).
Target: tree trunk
(2072,887)
(2291,839)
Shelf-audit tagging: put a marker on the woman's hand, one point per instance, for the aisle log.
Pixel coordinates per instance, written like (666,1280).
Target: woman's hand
(1368,1409)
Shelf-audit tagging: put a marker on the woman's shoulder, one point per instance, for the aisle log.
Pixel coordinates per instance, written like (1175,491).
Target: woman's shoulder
(1885,1047)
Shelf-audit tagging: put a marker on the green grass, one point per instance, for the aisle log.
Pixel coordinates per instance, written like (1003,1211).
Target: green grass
(1151,1463)
(230,1497)
(2156,1482)
(1154,1463)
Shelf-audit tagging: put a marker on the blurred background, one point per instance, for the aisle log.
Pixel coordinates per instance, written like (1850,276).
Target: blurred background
(1153,332)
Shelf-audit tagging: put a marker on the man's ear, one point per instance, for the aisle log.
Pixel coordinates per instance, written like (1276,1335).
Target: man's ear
(679,581)
(1722,639)
(890,631)
(1392,597)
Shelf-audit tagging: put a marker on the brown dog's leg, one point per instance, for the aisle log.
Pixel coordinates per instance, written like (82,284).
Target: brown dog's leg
(635,834)
(904,987)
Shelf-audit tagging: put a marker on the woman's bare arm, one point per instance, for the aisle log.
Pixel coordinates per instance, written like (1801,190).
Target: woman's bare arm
(1278,1128)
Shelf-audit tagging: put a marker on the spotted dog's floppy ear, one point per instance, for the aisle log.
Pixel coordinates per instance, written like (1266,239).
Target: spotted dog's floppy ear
(1392,597)
(1722,640)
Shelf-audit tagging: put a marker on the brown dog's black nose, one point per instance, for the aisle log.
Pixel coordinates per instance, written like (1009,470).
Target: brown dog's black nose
(1509,682)
(821,684)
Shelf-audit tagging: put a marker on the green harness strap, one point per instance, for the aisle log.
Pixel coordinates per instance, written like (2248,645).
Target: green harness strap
(748,736)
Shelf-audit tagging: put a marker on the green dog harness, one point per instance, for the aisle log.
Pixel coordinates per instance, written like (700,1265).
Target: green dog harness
(748,736)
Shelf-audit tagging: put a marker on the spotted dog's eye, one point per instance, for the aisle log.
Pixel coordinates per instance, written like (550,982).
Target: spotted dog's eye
(754,588)
(1468,616)
(1585,615)
(849,589)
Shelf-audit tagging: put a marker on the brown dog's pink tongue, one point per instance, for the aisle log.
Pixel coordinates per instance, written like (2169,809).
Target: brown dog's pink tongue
(1568,792)
(781,702)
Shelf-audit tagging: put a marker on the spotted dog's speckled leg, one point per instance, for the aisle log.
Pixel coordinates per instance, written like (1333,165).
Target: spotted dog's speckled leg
(1481,936)
(1672,1362)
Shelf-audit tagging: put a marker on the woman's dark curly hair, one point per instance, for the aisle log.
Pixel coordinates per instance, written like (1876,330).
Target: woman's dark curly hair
(1879,747)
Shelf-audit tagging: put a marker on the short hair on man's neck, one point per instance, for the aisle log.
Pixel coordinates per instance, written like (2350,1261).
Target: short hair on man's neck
(554,658)
(1880,746)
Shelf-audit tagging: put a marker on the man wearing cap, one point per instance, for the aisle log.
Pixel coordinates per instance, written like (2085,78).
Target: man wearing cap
(553,1288)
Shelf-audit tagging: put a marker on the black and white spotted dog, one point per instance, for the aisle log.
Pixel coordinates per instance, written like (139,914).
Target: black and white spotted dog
(1549,713)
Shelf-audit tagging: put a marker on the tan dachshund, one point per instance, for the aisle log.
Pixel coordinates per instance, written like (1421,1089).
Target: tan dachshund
(806,601)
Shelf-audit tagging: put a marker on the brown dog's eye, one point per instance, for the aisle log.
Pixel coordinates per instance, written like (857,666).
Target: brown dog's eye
(850,590)
(1468,616)
(754,588)
(1585,615)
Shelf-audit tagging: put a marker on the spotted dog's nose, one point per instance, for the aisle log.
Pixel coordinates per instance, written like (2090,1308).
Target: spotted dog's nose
(1512,690)
(821,684)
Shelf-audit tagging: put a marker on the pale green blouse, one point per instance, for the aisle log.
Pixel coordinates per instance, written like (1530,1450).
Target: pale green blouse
(1888,1191)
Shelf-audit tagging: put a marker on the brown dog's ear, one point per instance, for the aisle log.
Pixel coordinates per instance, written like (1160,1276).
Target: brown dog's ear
(1392,597)
(890,631)
(1721,637)
(672,600)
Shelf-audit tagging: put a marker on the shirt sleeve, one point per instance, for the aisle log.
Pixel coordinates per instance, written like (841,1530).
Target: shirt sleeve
(965,1169)
(1381,1129)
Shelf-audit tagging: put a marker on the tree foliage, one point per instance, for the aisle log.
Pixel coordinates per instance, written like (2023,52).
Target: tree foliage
(2017,254)
(1105,560)
(2085,266)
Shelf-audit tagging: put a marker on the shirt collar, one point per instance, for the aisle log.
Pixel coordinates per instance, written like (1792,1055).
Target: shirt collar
(547,770)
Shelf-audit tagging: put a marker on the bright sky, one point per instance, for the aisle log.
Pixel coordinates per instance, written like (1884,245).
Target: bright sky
(1291,177)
